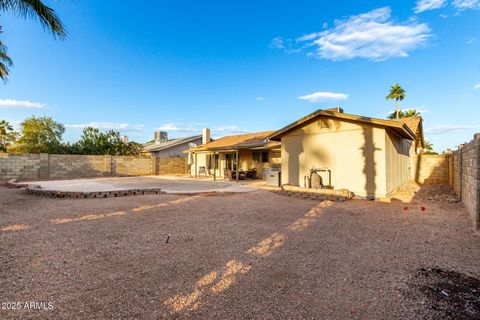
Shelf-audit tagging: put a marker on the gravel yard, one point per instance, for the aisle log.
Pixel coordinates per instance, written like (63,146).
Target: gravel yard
(256,255)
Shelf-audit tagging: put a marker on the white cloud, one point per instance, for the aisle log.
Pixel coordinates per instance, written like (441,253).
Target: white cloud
(372,35)
(426,5)
(197,128)
(466,4)
(321,96)
(449,128)
(477,86)
(107,126)
(178,127)
(231,129)
(12,103)
(423,110)
(260,98)
(277,43)
(471,40)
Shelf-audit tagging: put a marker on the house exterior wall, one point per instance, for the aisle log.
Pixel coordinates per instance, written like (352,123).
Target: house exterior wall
(176,151)
(398,160)
(247,163)
(355,154)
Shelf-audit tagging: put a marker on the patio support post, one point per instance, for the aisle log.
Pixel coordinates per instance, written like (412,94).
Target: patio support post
(196,165)
(236,171)
(214,167)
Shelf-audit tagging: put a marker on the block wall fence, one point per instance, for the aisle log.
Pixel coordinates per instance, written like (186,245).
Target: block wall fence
(459,169)
(464,176)
(45,166)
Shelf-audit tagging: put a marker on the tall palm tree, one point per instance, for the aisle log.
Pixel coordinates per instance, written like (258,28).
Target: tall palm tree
(34,9)
(6,132)
(397,93)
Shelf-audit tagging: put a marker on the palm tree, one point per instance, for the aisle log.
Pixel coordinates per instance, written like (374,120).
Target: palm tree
(397,93)
(29,9)
(6,133)
(429,147)
(404,114)
(5,60)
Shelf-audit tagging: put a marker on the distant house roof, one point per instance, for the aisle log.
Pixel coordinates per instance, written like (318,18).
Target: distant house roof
(235,142)
(154,146)
(416,125)
(400,128)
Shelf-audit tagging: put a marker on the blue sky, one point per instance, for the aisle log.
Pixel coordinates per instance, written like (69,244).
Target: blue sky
(243,66)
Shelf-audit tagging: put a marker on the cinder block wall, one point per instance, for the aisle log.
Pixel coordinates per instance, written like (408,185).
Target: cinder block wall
(59,166)
(132,166)
(172,166)
(430,169)
(465,178)
(19,166)
(459,169)
(65,166)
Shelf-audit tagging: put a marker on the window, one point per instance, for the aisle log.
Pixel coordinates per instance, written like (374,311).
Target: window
(210,161)
(260,156)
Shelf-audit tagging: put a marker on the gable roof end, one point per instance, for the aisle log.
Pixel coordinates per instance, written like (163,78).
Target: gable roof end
(402,129)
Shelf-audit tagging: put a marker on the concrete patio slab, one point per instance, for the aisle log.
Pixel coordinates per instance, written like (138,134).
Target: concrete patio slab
(167,184)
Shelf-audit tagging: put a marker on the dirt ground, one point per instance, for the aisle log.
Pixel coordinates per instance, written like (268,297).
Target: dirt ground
(256,255)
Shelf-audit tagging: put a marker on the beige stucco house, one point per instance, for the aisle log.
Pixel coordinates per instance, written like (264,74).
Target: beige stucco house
(371,157)
(248,153)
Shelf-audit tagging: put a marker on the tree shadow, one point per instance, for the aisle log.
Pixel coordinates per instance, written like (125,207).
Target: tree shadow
(369,167)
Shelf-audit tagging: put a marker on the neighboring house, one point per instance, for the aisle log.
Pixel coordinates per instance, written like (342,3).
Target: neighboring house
(162,147)
(247,152)
(368,156)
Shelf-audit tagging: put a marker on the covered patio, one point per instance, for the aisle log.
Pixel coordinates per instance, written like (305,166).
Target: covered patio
(237,157)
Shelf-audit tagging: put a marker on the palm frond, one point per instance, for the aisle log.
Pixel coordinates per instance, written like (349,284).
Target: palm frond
(3,71)
(35,9)
(5,61)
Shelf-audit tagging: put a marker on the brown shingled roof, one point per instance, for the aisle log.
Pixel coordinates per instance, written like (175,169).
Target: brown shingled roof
(415,124)
(412,122)
(248,140)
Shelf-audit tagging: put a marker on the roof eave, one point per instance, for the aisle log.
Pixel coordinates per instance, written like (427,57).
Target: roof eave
(404,130)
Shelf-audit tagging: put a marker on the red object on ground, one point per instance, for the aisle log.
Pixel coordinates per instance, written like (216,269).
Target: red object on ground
(405,209)
(423,208)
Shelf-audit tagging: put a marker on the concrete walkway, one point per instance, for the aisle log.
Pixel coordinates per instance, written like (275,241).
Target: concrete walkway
(165,183)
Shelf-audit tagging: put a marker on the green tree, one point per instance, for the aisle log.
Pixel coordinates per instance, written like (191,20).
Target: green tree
(404,114)
(95,142)
(397,93)
(40,135)
(34,9)
(7,135)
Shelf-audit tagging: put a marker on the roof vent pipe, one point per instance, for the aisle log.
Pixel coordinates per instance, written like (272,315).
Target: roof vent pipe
(336,109)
